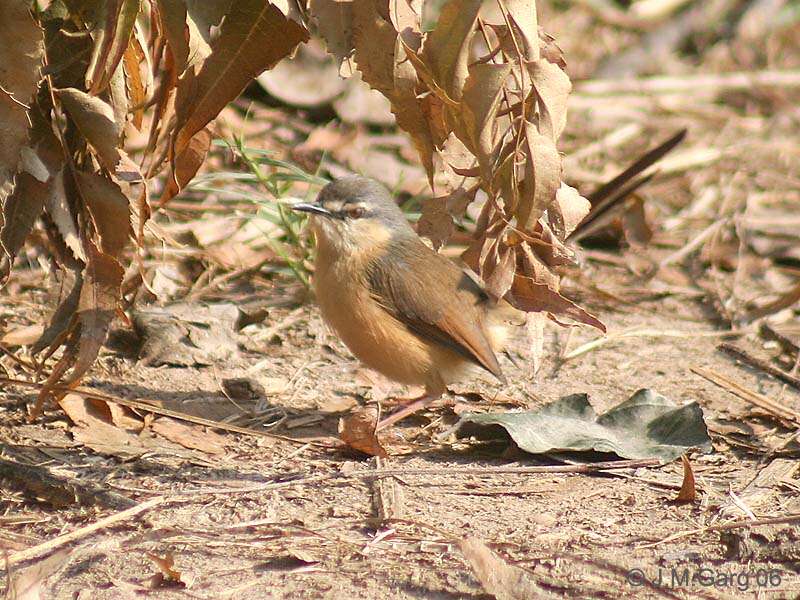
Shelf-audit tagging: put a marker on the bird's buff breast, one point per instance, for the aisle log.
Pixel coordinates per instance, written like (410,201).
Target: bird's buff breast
(374,336)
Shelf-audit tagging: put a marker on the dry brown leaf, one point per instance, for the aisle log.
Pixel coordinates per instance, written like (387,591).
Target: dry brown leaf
(542,178)
(172,16)
(132,60)
(118,97)
(97,305)
(186,165)
(67,305)
(688,491)
(552,87)
(111,34)
(94,429)
(498,579)
(373,36)
(334,21)
(95,120)
(529,295)
(20,211)
(446,49)
(357,430)
(571,208)
(21,52)
(189,436)
(124,418)
(167,574)
(60,211)
(96,308)
(252,38)
(500,276)
(28,583)
(481,101)
(436,222)
(525,26)
(109,209)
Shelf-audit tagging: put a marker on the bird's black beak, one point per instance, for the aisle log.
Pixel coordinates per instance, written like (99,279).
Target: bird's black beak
(314,209)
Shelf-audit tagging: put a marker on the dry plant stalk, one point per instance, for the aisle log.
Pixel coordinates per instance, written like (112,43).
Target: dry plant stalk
(482,92)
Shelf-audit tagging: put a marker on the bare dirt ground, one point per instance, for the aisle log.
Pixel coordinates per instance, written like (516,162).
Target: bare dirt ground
(127,502)
(267,518)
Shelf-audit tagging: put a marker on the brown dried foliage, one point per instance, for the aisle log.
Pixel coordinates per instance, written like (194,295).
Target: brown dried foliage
(482,94)
(86,76)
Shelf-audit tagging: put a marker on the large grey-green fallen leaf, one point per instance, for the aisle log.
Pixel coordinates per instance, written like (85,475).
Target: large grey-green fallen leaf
(647,425)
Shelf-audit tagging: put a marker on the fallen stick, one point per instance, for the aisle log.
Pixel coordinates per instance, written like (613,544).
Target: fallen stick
(581,468)
(760,400)
(72,536)
(746,524)
(759,364)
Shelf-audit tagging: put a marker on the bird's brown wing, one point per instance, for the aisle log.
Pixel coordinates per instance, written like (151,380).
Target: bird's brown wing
(435,299)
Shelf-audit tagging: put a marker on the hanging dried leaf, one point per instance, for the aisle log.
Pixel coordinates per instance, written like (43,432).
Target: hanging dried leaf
(334,22)
(568,211)
(21,52)
(111,38)
(253,37)
(132,60)
(552,87)
(482,93)
(445,51)
(95,120)
(186,165)
(172,15)
(62,316)
(20,211)
(437,222)
(109,209)
(99,296)
(60,211)
(542,178)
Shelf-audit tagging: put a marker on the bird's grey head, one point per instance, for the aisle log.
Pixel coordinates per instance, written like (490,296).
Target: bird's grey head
(354,213)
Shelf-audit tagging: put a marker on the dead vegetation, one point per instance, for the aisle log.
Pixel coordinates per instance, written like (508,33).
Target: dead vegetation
(202,454)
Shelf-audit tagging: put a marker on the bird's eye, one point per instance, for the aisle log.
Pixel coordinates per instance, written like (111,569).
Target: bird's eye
(354,212)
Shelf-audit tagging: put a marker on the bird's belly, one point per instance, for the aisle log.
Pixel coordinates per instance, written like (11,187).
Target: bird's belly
(380,341)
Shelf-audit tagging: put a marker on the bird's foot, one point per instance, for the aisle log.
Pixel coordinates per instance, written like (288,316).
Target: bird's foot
(409,409)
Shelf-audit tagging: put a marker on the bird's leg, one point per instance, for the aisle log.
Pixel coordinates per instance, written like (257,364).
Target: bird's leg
(428,398)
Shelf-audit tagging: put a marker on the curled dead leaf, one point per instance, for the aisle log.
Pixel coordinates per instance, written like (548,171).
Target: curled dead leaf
(167,574)
(688,491)
(96,121)
(357,430)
